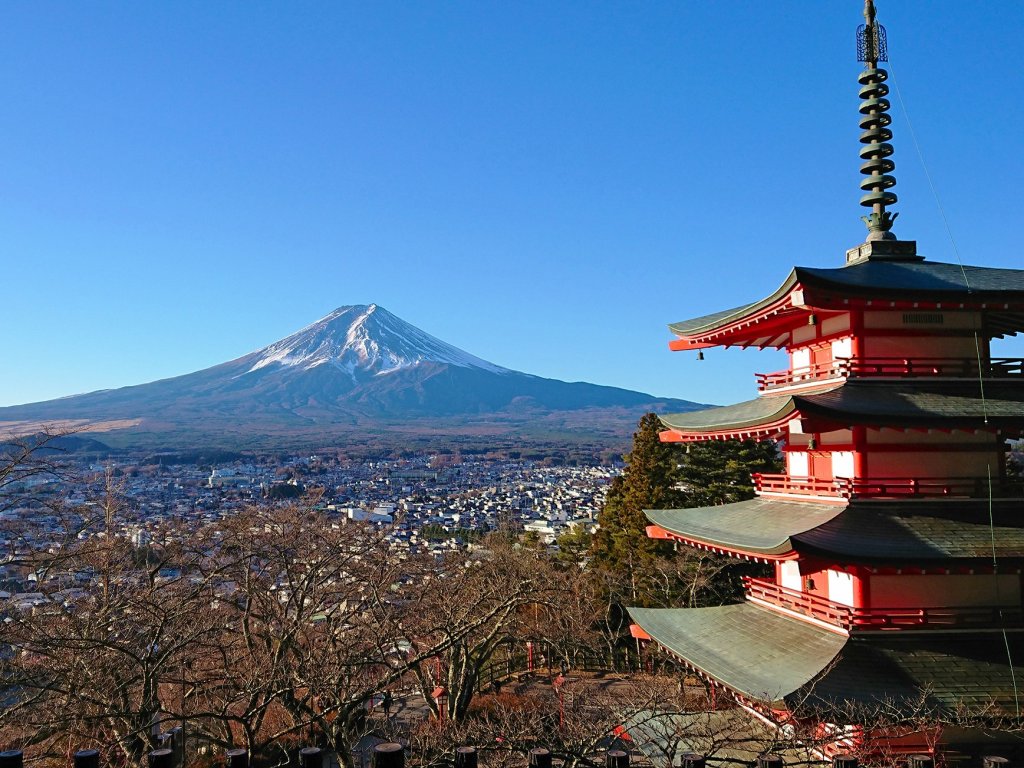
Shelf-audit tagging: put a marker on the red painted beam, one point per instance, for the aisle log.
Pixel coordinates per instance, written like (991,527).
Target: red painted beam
(635,630)
(657,532)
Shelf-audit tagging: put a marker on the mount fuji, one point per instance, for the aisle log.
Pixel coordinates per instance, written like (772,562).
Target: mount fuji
(357,372)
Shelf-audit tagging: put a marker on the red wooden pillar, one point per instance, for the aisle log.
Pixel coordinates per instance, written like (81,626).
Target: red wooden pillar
(860,453)
(861,587)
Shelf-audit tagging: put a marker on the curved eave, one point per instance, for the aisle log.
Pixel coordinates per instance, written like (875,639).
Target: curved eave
(758,528)
(755,652)
(883,533)
(717,328)
(786,550)
(758,419)
(877,404)
(787,663)
(903,285)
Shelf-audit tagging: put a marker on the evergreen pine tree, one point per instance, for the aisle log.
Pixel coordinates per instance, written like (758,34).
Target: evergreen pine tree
(649,481)
(718,472)
(665,476)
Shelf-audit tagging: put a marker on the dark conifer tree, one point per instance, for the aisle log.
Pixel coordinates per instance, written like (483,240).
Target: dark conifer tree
(650,481)
(664,476)
(718,472)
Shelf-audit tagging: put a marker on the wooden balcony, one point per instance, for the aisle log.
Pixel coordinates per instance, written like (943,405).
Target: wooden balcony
(799,602)
(866,619)
(887,487)
(893,368)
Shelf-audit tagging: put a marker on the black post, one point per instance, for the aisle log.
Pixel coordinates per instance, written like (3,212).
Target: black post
(994,761)
(87,758)
(616,758)
(466,757)
(11,758)
(388,755)
(769,761)
(161,758)
(311,757)
(844,760)
(540,758)
(691,760)
(178,736)
(237,758)
(920,761)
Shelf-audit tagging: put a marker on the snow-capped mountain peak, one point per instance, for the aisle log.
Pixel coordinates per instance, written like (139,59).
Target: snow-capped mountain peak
(364,339)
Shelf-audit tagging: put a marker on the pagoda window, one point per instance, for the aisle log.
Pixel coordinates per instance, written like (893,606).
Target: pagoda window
(801,359)
(840,587)
(842,464)
(789,575)
(842,348)
(799,466)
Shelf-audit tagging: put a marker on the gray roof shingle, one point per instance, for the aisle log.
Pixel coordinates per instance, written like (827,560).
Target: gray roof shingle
(759,653)
(922,531)
(969,673)
(862,531)
(756,525)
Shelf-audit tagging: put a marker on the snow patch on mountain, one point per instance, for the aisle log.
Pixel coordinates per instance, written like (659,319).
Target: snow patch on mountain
(364,340)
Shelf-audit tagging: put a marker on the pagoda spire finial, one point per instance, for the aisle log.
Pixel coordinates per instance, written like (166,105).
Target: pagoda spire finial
(875,132)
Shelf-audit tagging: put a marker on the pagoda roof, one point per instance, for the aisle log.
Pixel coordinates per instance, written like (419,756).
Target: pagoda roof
(872,403)
(758,526)
(858,531)
(756,652)
(898,281)
(967,674)
(875,531)
(933,277)
(782,661)
(740,417)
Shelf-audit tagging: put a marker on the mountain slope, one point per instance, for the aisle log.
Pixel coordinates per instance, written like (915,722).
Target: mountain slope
(358,368)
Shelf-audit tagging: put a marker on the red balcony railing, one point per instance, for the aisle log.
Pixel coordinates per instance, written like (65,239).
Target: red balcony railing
(853,619)
(893,367)
(800,602)
(887,487)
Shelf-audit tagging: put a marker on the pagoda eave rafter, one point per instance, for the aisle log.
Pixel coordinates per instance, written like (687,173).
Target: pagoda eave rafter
(659,533)
(764,326)
(774,432)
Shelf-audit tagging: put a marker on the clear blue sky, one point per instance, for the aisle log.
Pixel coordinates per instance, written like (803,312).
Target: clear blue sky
(544,184)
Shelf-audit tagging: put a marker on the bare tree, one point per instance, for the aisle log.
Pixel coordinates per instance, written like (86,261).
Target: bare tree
(86,663)
(470,608)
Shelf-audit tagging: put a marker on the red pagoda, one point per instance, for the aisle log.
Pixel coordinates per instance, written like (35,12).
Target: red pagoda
(896,536)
